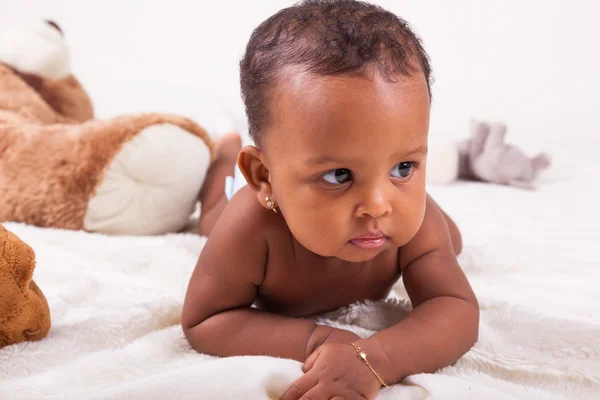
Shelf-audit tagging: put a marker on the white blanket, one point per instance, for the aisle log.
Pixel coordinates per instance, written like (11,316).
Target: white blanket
(532,258)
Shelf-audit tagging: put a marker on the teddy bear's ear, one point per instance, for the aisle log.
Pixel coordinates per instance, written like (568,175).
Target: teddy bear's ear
(55,26)
(480,132)
(496,136)
(20,259)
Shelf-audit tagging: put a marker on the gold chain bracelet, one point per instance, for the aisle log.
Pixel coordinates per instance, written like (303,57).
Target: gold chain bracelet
(363,356)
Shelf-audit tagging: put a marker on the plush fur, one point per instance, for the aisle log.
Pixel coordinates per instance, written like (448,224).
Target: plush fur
(24,312)
(52,154)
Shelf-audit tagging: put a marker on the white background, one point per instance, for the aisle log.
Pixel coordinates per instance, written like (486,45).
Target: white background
(530,64)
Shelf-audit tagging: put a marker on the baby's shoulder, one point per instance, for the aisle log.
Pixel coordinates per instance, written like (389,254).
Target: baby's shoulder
(245,212)
(239,243)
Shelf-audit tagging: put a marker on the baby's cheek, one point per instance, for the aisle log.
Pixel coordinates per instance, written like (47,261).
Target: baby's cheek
(413,223)
(318,232)
(407,217)
(412,231)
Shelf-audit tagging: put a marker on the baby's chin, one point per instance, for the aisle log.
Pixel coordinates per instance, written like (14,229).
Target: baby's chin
(356,253)
(352,253)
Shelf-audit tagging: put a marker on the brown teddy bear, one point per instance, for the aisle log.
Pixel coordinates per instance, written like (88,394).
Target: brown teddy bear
(24,312)
(61,168)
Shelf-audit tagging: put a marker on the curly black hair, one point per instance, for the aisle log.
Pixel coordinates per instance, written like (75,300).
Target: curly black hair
(326,37)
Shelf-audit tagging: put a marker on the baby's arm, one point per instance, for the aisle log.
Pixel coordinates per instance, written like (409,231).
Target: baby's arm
(217,318)
(444,322)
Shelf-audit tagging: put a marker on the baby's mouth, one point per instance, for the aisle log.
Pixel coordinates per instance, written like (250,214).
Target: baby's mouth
(370,241)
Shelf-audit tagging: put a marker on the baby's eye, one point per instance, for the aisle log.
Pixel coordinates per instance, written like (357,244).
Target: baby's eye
(337,176)
(402,170)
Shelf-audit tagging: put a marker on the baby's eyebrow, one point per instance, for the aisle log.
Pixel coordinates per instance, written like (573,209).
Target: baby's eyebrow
(322,159)
(420,149)
(328,159)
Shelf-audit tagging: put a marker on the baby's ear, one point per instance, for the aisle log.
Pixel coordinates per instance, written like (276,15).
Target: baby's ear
(255,169)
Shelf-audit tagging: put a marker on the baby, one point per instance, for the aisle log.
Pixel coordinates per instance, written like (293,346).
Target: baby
(335,209)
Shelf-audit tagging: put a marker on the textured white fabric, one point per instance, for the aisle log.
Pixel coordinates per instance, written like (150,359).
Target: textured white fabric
(532,258)
(152,185)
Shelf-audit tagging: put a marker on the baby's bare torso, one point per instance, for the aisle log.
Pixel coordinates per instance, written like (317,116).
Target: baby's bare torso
(300,283)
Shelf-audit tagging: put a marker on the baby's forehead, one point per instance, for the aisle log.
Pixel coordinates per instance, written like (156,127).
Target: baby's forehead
(297,87)
(295,77)
(330,109)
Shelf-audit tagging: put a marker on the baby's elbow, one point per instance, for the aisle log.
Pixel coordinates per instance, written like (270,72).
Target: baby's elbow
(474,325)
(195,334)
(201,331)
(194,310)
(188,319)
(191,318)
(187,326)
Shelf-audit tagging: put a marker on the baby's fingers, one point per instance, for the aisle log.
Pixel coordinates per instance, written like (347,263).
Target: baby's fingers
(310,361)
(302,385)
(318,393)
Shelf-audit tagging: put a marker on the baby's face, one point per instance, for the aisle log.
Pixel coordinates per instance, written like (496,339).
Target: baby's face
(346,157)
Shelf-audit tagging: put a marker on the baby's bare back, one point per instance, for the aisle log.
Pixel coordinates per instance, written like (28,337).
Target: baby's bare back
(298,282)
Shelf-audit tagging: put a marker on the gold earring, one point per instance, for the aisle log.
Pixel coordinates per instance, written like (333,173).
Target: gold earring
(271,204)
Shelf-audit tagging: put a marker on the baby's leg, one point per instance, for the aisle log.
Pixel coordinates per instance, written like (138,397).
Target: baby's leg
(212,195)
(455,235)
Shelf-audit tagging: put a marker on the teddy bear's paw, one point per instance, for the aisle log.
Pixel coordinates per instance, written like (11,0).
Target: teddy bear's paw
(152,185)
(36,48)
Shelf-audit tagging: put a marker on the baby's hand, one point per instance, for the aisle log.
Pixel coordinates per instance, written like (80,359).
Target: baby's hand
(324,334)
(334,371)
(337,335)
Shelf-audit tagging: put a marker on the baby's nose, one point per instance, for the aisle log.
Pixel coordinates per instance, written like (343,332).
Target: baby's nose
(376,203)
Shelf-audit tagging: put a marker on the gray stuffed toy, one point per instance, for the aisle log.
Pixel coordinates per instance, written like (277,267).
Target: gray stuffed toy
(486,157)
